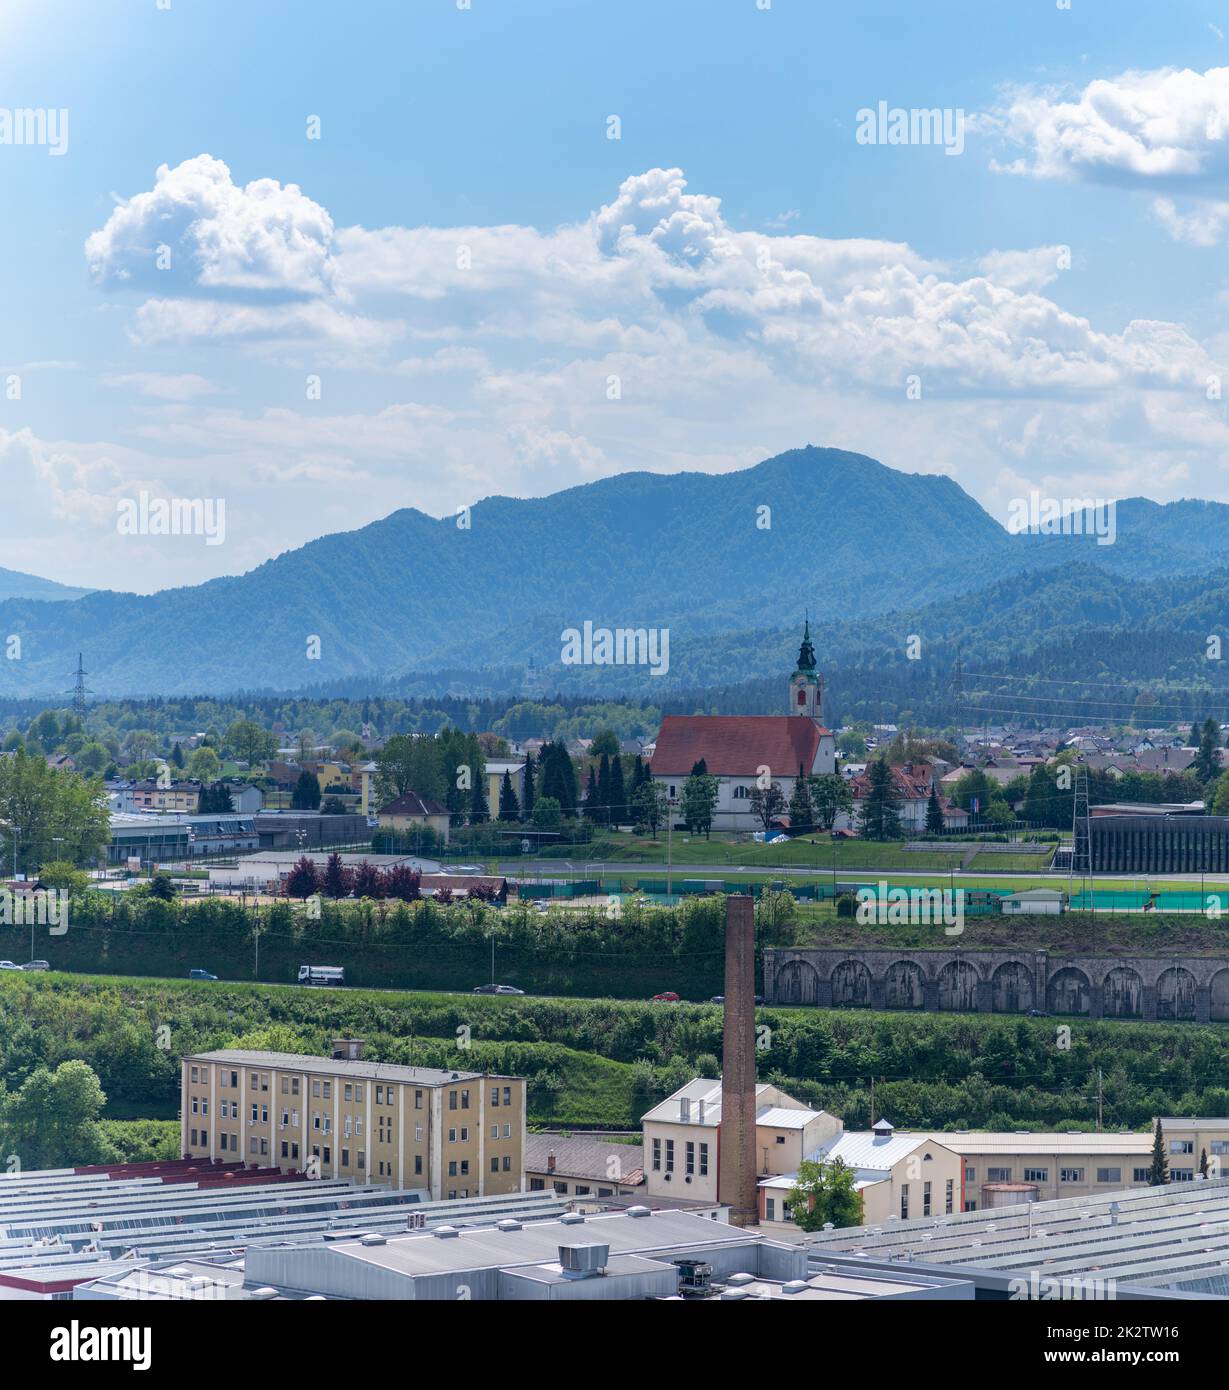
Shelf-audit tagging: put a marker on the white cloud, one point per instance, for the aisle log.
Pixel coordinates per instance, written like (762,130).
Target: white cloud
(186,386)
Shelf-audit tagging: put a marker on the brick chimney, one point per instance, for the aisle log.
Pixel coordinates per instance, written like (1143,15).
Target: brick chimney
(550,1163)
(736,1139)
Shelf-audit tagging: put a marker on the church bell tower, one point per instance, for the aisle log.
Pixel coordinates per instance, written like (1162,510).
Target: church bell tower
(806,685)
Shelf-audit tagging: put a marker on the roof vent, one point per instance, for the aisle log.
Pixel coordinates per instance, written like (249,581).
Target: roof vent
(795,1286)
(583,1261)
(508,1224)
(445,1232)
(572,1218)
(734,1294)
(265,1292)
(374,1238)
(638,1211)
(737,1279)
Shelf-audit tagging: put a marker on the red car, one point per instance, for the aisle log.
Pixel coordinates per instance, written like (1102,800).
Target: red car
(667,996)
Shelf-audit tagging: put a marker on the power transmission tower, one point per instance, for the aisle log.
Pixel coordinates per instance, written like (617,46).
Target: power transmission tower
(80,691)
(1081,837)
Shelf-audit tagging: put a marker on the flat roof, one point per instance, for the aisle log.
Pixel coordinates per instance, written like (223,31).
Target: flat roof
(339,1066)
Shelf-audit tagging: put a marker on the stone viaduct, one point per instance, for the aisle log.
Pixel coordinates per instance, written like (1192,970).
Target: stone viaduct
(1191,988)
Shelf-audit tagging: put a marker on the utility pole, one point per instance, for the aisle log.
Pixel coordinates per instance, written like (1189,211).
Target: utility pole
(1100,1098)
(872,1102)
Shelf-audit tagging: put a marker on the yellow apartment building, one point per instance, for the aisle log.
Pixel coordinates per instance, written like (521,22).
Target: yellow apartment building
(451,1133)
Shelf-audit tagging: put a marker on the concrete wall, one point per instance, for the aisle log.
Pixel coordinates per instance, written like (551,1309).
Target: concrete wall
(1191,988)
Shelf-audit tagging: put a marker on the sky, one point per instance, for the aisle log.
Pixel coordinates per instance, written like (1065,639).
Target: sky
(316,262)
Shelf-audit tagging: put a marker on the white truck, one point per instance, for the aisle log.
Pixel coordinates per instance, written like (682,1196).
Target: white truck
(322,975)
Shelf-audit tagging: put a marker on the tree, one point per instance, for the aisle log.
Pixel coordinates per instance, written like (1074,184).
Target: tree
(831,797)
(411,764)
(306,794)
(546,813)
(617,806)
(528,788)
(338,880)
(825,1192)
(1203,1163)
(247,740)
(52,1119)
(801,811)
(162,888)
(50,813)
(559,776)
(479,807)
(1158,1171)
(767,803)
(332,806)
(649,807)
(603,790)
(934,813)
(1207,761)
(215,799)
(204,765)
(593,797)
(62,873)
(509,806)
(699,800)
(606,742)
(879,818)
(177,757)
(302,880)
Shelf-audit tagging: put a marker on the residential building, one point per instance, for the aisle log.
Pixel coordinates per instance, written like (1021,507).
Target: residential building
(410,810)
(495,769)
(451,1134)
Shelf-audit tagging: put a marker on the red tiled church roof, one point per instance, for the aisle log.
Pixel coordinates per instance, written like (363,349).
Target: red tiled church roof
(736,745)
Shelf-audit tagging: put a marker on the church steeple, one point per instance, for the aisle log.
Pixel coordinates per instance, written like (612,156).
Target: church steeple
(806,687)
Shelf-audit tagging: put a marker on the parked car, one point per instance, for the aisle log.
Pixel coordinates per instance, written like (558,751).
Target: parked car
(1038,1013)
(667,996)
(37,965)
(8,965)
(497,989)
(201,975)
(720,999)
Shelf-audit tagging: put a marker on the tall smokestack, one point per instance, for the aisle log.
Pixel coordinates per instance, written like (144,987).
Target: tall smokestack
(736,1148)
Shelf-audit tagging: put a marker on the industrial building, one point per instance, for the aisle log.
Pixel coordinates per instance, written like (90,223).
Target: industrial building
(64,1228)
(1152,1242)
(451,1134)
(153,838)
(1159,844)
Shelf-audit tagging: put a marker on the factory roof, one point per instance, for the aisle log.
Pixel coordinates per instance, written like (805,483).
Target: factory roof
(326,1066)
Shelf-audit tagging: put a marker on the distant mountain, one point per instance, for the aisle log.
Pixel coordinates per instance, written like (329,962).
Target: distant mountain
(726,562)
(13,584)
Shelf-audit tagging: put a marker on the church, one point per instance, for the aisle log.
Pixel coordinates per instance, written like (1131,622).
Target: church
(740,750)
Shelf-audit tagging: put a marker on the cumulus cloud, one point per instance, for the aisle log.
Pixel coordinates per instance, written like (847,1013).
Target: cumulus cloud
(186,386)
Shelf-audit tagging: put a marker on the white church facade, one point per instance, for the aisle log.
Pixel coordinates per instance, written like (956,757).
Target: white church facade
(741,751)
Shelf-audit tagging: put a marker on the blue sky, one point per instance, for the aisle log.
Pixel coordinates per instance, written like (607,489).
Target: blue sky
(750,275)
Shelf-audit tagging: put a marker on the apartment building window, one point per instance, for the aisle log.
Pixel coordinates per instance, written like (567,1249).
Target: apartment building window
(328,1154)
(507,1163)
(194,1071)
(452,1100)
(703,1159)
(780,1138)
(225,1109)
(669,1155)
(656,1151)
(285,1118)
(949,1197)
(294,1151)
(464,1100)
(358,1093)
(1219,1146)
(418,1134)
(348,1094)
(1036,1175)
(294,1117)
(537,1185)
(194,1138)
(294,1085)
(223,1139)
(970,1175)
(285,1085)
(264,1148)
(494,1131)
(452,1168)
(316,1089)
(507,1131)
(925,1199)
(507,1095)
(464,1134)
(255,1112)
(254,1078)
(690,1158)
(264,1080)
(494,1165)
(494,1095)
(379,1094)
(417,1100)
(1141,1174)
(253,1147)
(998,1174)
(770,1208)
(418,1165)
(234,1079)
(452,1136)
(1109,1175)
(328,1090)
(904,1202)
(465,1167)
(1181,1146)
(1181,1175)
(204,1107)
(195,1106)
(345,1158)
(1071,1175)
(285,1149)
